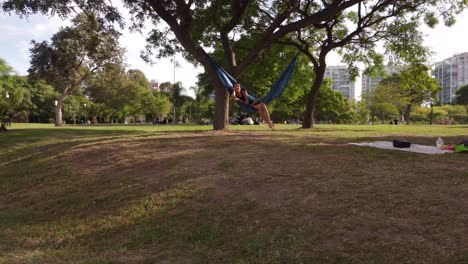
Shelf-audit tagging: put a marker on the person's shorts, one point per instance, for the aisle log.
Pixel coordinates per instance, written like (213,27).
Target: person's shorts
(256,101)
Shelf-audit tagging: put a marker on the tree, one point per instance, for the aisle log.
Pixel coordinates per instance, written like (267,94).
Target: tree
(359,111)
(417,86)
(139,77)
(421,114)
(331,105)
(158,105)
(177,98)
(384,111)
(458,113)
(41,98)
(462,95)
(74,108)
(259,77)
(195,26)
(386,94)
(412,87)
(72,56)
(112,87)
(356,31)
(11,94)
(202,102)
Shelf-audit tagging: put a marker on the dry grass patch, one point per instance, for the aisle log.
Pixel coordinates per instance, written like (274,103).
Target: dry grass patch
(234,197)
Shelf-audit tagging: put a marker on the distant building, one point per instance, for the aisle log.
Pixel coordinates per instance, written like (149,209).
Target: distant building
(369,83)
(341,80)
(452,73)
(155,85)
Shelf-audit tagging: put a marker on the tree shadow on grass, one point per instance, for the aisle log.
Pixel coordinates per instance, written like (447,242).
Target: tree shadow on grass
(27,136)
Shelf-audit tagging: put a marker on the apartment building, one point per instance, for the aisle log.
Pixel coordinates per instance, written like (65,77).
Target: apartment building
(341,80)
(452,73)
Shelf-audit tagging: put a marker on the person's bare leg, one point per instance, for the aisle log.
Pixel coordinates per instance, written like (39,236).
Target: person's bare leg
(260,111)
(267,115)
(264,113)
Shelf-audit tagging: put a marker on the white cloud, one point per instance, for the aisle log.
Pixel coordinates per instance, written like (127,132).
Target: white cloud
(10,32)
(23,49)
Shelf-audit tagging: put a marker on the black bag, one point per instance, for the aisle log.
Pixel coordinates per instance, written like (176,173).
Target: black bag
(401,144)
(464,142)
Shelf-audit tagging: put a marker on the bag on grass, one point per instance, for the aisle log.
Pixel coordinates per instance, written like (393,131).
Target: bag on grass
(401,144)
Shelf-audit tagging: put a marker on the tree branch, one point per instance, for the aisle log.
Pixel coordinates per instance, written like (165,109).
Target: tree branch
(238,8)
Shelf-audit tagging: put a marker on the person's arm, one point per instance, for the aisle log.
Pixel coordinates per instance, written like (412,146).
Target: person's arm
(234,96)
(246,96)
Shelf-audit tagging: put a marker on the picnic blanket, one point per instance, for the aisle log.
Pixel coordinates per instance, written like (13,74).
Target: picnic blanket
(414,147)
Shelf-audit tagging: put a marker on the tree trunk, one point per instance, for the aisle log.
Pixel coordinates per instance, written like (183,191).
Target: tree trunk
(310,107)
(58,115)
(408,112)
(221,115)
(58,108)
(431,115)
(2,126)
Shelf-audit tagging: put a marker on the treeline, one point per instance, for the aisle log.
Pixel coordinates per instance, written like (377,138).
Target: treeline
(410,96)
(413,96)
(79,76)
(111,95)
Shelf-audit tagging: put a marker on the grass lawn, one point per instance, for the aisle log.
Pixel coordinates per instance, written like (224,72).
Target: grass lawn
(187,194)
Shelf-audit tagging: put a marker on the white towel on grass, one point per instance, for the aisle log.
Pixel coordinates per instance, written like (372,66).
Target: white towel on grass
(414,147)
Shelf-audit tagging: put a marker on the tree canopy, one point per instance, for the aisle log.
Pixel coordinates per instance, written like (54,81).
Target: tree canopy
(73,54)
(11,94)
(462,95)
(401,92)
(245,29)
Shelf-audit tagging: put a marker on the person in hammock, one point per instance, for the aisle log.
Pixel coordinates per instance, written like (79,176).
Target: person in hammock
(240,95)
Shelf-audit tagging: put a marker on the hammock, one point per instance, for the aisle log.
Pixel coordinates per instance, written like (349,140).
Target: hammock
(275,91)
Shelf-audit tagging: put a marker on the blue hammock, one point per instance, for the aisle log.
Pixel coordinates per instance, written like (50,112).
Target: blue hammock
(275,91)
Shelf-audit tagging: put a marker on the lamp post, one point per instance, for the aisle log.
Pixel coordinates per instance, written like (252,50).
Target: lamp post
(4,119)
(55,103)
(86,116)
(173,86)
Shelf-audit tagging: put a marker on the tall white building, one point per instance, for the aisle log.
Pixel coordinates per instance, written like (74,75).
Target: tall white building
(452,73)
(341,80)
(155,85)
(369,83)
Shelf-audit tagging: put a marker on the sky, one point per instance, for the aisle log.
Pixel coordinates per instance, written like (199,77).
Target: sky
(16,35)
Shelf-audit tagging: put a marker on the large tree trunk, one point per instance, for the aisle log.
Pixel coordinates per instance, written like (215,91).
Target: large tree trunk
(221,115)
(58,115)
(310,107)
(3,126)
(58,108)
(407,114)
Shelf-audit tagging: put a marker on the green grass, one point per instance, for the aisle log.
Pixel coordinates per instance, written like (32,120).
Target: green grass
(186,194)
